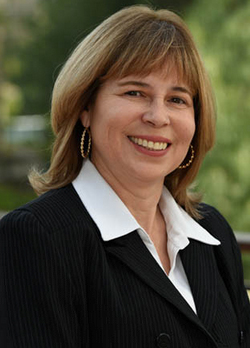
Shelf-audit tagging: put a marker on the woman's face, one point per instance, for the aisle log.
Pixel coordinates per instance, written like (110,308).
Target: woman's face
(141,127)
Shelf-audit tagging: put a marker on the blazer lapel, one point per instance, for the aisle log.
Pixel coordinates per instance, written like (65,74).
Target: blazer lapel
(200,267)
(131,250)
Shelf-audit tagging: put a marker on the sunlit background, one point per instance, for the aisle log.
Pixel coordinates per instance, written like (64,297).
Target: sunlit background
(37,36)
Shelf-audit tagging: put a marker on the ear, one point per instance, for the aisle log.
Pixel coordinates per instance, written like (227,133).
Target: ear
(85,117)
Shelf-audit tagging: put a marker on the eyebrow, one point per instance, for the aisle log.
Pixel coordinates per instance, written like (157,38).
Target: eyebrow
(182,89)
(135,83)
(143,84)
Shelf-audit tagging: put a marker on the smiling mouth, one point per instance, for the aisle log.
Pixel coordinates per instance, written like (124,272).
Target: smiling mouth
(149,145)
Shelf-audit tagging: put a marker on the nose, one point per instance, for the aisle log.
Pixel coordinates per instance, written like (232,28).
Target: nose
(157,114)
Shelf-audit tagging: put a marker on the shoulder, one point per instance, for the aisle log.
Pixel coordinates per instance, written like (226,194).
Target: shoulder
(228,252)
(214,222)
(55,210)
(55,226)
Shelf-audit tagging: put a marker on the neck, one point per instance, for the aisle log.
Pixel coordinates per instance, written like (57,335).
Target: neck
(142,203)
(141,198)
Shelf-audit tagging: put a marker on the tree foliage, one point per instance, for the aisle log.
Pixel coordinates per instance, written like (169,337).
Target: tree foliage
(222,31)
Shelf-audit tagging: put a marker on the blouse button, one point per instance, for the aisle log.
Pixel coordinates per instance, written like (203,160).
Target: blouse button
(163,341)
(241,337)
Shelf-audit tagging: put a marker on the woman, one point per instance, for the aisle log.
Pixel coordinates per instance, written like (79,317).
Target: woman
(116,252)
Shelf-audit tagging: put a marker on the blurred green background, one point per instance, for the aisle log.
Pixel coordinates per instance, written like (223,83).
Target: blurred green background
(37,36)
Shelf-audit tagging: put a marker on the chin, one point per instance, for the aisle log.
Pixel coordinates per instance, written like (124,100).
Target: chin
(148,174)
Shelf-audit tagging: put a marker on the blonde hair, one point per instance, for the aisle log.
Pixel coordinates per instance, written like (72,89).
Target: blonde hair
(135,40)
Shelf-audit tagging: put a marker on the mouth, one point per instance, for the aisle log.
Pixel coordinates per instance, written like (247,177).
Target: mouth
(149,144)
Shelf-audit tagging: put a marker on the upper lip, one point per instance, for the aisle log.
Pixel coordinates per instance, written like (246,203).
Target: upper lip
(153,138)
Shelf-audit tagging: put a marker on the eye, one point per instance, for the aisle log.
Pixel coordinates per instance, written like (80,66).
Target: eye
(133,93)
(177,100)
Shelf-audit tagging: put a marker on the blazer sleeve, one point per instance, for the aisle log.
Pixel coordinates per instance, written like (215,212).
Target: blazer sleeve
(37,295)
(229,262)
(243,300)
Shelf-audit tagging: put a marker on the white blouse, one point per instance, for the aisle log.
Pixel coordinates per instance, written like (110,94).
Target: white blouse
(107,209)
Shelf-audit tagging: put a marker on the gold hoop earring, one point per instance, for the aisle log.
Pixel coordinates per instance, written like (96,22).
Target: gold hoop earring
(83,153)
(191,159)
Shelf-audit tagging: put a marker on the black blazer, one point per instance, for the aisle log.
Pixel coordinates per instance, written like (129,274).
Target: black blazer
(62,286)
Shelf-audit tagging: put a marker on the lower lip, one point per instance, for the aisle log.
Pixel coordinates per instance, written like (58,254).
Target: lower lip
(153,153)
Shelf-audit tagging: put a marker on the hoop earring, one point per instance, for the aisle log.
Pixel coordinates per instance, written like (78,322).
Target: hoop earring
(83,153)
(191,159)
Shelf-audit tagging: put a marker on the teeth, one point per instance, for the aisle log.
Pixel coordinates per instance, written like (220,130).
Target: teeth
(150,145)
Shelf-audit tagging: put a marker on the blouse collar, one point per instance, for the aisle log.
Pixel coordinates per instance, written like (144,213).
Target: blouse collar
(114,220)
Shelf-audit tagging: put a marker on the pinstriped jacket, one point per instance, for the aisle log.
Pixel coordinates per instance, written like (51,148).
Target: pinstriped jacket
(62,286)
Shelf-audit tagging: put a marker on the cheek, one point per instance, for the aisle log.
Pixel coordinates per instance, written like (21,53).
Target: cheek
(104,131)
(111,123)
(186,130)
(191,129)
